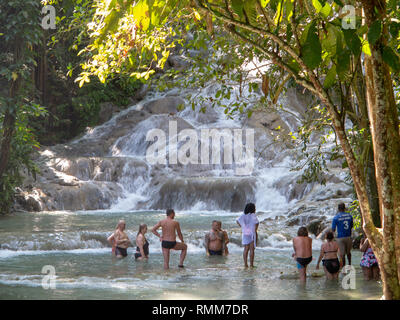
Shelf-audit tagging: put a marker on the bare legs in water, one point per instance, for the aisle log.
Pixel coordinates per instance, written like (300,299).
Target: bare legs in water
(247,248)
(178,246)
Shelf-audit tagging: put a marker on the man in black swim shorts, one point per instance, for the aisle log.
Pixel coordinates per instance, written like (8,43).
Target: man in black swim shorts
(302,245)
(303,262)
(170,228)
(168,244)
(215,253)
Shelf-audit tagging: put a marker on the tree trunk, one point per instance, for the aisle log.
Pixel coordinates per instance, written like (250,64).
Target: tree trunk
(372,188)
(8,132)
(10,116)
(386,142)
(362,121)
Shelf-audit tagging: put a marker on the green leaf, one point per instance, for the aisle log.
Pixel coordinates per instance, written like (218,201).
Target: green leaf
(394,29)
(352,41)
(326,10)
(289,33)
(294,66)
(330,78)
(366,48)
(251,11)
(391,58)
(111,5)
(363,29)
(110,24)
(343,64)
(329,42)
(196,14)
(289,9)
(311,51)
(374,32)
(317,5)
(237,6)
(279,13)
(303,36)
(141,12)
(264,3)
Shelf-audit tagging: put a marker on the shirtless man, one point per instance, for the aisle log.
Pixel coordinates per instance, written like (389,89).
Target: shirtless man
(215,241)
(302,245)
(168,239)
(225,237)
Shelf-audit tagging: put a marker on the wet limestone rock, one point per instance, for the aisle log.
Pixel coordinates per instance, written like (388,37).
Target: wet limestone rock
(168,105)
(316,226)
(107,109)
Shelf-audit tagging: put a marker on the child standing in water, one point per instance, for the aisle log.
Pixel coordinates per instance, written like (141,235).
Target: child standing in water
(302,245)
(249,224)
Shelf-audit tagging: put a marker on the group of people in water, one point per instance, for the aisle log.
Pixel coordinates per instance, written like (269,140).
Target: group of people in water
(333,252)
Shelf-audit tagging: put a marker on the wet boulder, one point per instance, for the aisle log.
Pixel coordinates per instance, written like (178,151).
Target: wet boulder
(107,110)
(168,105)
(316,226)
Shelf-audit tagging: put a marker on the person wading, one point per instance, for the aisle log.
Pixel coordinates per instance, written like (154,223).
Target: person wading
(215,241)
(170,228)
(343,222)
(249,224)
(329,256)
(119,240)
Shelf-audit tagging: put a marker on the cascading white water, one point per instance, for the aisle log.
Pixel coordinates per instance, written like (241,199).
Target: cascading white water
(187,185)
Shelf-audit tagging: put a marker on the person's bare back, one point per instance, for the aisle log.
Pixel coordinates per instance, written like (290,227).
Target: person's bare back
(169,228)
(302,247)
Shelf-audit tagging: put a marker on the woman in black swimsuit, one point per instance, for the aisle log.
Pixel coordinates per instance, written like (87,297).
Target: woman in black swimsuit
(142,249)
(329,251)
(119,240)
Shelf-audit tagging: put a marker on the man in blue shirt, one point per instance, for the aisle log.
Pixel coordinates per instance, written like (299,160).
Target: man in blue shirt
(343,221)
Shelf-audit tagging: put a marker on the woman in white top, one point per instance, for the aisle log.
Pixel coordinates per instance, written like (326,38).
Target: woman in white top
(249,224)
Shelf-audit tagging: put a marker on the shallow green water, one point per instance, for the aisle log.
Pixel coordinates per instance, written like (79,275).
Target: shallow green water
(75,244)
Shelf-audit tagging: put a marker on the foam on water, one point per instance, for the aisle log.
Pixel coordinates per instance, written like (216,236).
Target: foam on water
(6,254)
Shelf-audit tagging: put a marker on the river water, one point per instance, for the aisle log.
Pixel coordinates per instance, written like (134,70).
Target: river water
(75,244)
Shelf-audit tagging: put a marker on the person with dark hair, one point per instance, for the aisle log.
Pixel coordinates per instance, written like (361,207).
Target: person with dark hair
(249,224)
(170,228)
(302,245)
(142,249)
(215,241)
(250,208)
(329,257)
(369,263)
(119,240)
(343,222)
